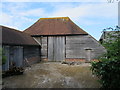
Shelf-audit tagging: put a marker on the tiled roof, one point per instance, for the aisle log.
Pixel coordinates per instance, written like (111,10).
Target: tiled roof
(14,37)
(54,26)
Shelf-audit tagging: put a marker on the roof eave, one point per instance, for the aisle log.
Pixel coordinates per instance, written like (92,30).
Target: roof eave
(59,35)
(12,44)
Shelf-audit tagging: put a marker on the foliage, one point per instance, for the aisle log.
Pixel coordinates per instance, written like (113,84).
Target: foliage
(107,69)
(112,1)
(3,57)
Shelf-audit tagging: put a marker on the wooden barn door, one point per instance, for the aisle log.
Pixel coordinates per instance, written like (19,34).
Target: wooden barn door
(56,48)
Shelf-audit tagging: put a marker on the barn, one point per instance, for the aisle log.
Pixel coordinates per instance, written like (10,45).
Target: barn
(17,46)
(61,39)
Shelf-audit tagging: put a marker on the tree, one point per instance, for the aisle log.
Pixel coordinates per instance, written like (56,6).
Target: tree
(111,1)
(108,66)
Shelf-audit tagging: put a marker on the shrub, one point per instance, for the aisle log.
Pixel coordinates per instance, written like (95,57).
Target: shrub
(108,72)
(107,69)
(2,56)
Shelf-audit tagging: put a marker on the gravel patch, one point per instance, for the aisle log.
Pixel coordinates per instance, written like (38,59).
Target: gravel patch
(54,75)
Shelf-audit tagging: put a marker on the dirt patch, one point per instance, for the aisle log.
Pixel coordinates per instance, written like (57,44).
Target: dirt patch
(54,75)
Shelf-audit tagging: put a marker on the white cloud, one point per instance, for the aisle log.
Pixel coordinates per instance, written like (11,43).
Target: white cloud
(18,15)
(104,10)
(55,1)
(14,21)
(5,18)
(96,10)
(32,12)
(12,17)
(74,12)
(8,20)
(84,12)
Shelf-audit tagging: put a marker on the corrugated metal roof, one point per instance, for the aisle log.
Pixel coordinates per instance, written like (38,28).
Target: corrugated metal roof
(14,37)
(54,26)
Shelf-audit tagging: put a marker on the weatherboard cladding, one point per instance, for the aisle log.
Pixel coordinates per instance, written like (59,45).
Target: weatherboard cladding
(14,37)
(54,26)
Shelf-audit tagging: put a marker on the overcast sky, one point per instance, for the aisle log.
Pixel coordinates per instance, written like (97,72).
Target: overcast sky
(91,15)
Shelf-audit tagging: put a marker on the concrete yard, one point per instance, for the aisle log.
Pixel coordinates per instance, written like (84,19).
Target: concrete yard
(53,75)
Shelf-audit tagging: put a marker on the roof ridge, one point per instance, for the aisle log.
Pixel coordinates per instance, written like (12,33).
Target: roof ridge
(15,30)
(12,28)
(66,18)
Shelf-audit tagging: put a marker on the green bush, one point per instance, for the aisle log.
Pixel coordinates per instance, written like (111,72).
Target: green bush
(108,72)
(107,69)
(3,57)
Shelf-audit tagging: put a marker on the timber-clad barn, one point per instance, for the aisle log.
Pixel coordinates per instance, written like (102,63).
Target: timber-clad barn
(61,39)
(18,46)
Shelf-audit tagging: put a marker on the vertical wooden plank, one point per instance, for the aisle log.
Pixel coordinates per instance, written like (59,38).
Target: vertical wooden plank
(59,48)
(6,53)
(44,46)
(18,56)
(63,48)
(11,55)
(56,48)
(15,55)
(50,49)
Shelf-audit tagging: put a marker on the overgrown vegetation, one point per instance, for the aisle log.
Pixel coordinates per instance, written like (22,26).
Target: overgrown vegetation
(108,66)
(2,56)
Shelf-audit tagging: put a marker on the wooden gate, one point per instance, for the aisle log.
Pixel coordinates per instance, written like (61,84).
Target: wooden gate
(56,48)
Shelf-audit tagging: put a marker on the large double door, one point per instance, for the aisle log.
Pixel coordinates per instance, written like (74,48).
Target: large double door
(56,48)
